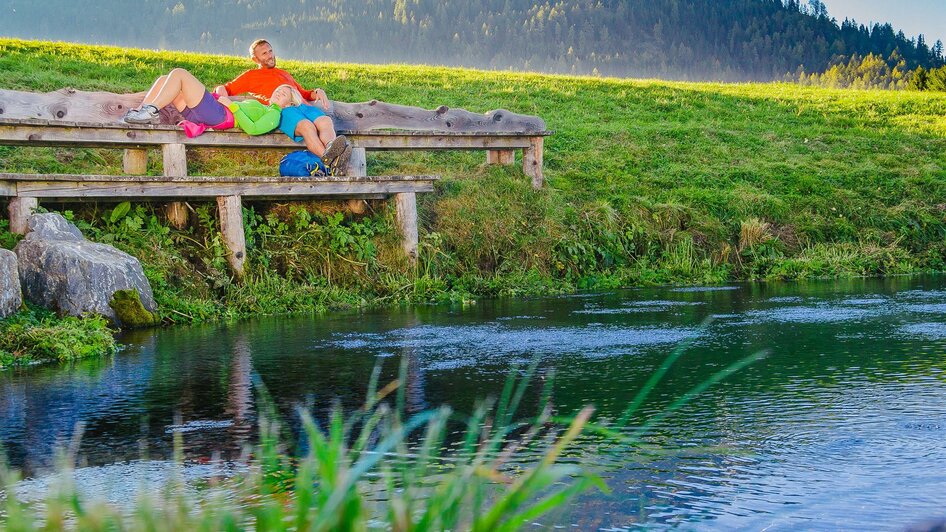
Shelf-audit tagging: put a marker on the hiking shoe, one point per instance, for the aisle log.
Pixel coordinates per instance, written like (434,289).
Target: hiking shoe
(334,148)
(147,114)
(339,167)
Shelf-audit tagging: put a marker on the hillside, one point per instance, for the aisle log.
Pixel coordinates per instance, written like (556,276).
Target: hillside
(735,40)
(647,182)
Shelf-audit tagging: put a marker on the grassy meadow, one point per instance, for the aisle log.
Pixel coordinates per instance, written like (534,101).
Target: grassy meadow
(647,182)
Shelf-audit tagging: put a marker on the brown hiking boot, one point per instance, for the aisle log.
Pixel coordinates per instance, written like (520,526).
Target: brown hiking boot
(333,149)
(339,166)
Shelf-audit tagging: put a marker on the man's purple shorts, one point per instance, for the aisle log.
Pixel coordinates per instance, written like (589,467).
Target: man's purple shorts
(208,112)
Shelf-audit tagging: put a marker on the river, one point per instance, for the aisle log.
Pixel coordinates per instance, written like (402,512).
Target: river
(842,425)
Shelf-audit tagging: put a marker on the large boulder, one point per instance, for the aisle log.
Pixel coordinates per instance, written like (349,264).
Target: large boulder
(11,298)
(61,270)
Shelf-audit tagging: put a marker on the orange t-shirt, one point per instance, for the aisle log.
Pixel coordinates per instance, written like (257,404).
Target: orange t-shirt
(261,82)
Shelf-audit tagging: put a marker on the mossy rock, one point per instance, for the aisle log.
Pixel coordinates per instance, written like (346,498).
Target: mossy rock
(129,311)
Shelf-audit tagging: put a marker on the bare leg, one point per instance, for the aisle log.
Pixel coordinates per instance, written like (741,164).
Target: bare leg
(179,87)
(326,129)
(310,135)
(155,88)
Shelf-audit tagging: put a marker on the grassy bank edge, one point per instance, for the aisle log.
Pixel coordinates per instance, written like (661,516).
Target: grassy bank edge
(36,335)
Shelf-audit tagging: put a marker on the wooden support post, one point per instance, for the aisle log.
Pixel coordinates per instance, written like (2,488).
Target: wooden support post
(406,204)
(500,157)
(357,206)
(358,165)
(230,209)
(175,165)
(20,209)
(532,161)
(135,161)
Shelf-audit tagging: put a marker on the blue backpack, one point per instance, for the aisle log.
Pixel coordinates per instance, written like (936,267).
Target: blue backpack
(302,163)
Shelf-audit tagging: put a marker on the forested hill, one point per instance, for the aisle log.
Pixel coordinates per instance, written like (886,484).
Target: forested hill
(679,39)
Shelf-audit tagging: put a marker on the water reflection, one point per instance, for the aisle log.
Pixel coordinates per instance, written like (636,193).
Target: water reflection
(836,429)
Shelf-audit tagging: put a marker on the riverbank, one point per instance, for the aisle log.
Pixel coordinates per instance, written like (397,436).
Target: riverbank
(648,182)
(36,335)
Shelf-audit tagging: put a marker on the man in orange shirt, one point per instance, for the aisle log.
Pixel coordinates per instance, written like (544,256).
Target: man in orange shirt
(261,81)
(318,132)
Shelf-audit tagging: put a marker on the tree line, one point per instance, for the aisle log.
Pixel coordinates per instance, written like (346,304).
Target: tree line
(735,40)
(874,71)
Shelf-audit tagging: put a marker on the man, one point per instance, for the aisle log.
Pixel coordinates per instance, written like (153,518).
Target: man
(318,132)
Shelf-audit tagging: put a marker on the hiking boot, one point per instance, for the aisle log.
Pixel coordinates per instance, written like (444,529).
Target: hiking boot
(147,114)
(339,167)
(333,149)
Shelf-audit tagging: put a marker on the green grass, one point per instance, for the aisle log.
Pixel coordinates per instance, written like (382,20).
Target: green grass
(647,182)
(36,335)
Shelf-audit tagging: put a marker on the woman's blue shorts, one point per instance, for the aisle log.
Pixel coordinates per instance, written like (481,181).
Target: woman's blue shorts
(291,116)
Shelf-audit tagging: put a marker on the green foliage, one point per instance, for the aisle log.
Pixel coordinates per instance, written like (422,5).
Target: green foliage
(874,72)
(38,335)
(8,240)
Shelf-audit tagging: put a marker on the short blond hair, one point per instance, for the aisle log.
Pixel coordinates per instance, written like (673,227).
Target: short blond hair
(295,97)
(257,43)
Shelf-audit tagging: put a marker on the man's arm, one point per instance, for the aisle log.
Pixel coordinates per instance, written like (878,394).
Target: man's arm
(319,97)
(221,91)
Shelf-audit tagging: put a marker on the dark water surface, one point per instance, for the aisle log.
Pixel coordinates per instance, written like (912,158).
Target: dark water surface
(842,426)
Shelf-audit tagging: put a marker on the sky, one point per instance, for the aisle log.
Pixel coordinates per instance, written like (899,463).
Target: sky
(912,16)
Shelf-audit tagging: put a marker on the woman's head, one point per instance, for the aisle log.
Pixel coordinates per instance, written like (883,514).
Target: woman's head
(285,96)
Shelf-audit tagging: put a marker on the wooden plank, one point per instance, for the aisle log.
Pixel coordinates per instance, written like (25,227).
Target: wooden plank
(532,162)
(406,205)
(308,197)
(86,189)
(146,128)
(230,210)
(210,179)
(175,165)
(501,157)
(135,161)
(20,209)
(15,133)
(358,165)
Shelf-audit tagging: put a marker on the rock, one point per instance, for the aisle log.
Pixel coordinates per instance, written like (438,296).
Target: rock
(11,298)
(61,270)
(130,312)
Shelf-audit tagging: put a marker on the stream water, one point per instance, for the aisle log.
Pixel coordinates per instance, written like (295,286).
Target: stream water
(842,425)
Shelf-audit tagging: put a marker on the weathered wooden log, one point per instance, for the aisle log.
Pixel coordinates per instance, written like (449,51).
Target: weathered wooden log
(406,214)
(231,228)
(175,165)
(75,106)
(532,161)
(500,157)
(20,209)
(81,106)
(135,161)
(377,115)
